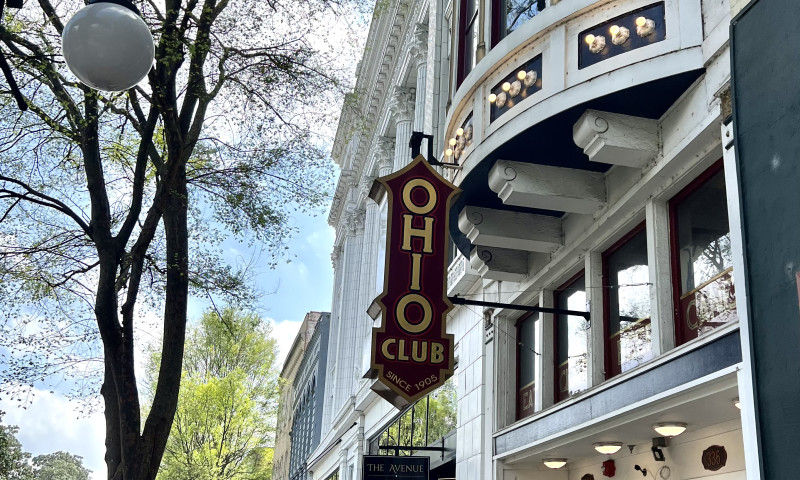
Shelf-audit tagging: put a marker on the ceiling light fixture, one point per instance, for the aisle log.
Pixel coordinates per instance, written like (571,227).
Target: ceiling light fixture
(607,448)
(669,429)
(554,462)
(737,403)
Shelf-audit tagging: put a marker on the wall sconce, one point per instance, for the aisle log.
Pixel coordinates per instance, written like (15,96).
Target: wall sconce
(737,403)
(607,448)
(619,35)
(596,43)
(669,429)
(645,26)
(554,462)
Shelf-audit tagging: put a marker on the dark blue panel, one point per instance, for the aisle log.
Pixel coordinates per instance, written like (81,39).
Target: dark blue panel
(709,358)
(766,106)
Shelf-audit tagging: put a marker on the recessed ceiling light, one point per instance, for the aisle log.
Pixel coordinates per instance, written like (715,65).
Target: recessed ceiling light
(607,448)
(554,462)
(669,429)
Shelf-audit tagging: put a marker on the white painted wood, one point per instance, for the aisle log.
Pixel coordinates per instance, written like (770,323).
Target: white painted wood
(545,374)
(745,375)
(594,296)
(499,263)
(658,261)
(551,188)
(616,139)
(508,229)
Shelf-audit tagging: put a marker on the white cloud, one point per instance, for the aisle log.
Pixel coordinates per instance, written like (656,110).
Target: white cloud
(51,424)
(285,332)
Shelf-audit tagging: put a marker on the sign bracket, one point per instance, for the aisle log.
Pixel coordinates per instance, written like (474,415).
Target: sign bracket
(528,308)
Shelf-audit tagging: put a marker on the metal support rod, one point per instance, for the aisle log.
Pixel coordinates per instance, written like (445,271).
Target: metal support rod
(415,142)
(527,308)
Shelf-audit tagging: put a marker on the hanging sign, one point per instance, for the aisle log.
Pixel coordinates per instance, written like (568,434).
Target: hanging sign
(386,467)
(412,353)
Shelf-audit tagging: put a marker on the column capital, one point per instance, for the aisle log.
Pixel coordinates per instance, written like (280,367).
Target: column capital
(401,104)
(355,221)
(335,255)
(418,45)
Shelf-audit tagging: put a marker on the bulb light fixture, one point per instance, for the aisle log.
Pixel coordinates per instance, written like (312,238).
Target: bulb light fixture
(521,74)
(641,21)
(737,403)
(554,462)
(452,142)
(669,429)
(506,86)
(448,152)
(492,97)
(459,131)
(607,448)
(614,29)
(108,46)
(589,39)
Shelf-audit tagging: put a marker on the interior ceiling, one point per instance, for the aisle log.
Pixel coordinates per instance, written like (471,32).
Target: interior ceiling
(637,429)
(549,142)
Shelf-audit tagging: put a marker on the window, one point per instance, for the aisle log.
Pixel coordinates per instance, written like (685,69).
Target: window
(468,39)
(626,282)
(510,14)
(702,262)
(571,340)
(424,423)
(528,364)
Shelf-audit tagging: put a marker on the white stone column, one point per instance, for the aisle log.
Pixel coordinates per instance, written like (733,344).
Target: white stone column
(385,152)
(330,385)
(366,289)
(348,358)
(402,108)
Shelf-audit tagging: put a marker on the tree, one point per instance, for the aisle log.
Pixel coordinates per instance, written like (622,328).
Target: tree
(225,422)
(59,466)
(113,204)
(13,460)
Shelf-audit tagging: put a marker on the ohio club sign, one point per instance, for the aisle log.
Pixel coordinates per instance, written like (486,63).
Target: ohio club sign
(411,351)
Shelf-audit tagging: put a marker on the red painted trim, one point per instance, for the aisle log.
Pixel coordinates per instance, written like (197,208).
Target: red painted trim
(610,347)
(681,334)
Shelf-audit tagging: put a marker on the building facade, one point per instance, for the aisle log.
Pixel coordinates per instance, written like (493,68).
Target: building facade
(298,380)
(593,147)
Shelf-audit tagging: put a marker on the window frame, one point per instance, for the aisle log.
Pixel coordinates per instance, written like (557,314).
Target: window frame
(463,25)
(556,294)
(683,336)
(534,317)
(609,347)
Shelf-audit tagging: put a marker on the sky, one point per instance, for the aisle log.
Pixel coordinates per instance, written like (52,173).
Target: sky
(51,422)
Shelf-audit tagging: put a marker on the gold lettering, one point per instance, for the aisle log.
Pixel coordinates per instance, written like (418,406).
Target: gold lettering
(425,233)
(416,260)
(401,350)
(437,353)
(385,348)
(415,351)
(427,313)
(413,207)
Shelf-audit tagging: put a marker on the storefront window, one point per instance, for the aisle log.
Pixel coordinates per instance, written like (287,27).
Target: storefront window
(528,360)
(572,340)
(702,257)
(627,303)
(468,39)
(511,14)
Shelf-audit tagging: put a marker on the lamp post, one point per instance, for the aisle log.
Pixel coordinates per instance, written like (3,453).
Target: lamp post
(106,45)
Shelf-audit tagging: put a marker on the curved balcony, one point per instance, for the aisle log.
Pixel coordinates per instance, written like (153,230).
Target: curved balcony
(592,105)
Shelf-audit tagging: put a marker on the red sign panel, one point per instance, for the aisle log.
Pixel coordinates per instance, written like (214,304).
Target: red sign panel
(411,351)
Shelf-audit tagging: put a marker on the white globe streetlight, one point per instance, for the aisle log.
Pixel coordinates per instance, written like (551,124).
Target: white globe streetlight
(108,46)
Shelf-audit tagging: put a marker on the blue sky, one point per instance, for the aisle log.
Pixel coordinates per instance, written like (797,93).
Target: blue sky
(51,422)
